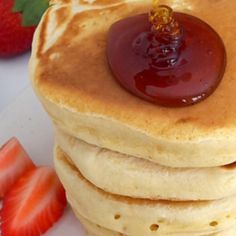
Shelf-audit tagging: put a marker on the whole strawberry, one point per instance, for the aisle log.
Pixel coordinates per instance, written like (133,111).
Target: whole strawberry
(18,20)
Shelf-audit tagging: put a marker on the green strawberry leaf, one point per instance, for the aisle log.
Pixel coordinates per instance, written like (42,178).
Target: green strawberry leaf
(32,10)
(19,5)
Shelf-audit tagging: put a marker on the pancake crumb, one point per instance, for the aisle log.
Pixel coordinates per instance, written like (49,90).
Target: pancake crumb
(154,227)
(213,223)
(117,217)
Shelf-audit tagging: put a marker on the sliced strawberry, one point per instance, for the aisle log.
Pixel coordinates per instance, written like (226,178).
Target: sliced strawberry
(14,161)
(34,204)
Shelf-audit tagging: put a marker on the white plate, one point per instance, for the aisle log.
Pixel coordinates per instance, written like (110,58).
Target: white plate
(26,120)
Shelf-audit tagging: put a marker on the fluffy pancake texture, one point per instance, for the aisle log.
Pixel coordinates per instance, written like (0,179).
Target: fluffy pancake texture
(130,176)
(133,216)
(96,230)
(71,76)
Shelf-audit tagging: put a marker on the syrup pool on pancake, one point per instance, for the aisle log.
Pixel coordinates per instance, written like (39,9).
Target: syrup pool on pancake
(169,58)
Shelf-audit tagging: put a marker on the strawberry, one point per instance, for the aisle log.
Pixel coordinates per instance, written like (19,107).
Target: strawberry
(14,161)
(18,20)
(34,204)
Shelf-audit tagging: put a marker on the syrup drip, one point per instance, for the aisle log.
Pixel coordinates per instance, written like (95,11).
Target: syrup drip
(164,57)
(162,45)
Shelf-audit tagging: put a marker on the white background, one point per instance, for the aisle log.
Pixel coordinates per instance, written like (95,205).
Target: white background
(13,78)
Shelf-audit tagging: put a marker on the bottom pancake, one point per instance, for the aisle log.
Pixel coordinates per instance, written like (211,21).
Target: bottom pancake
(94,229)
(97,230)
(134,217)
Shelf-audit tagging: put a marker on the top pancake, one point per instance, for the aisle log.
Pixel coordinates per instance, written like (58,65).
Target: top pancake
(71,75)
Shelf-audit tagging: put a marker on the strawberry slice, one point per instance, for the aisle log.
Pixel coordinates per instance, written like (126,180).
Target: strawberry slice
(34,204)
(14,161)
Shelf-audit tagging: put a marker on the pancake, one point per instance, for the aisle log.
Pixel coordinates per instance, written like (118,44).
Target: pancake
(130,176)
(96,230)
(133,216)
(70,74)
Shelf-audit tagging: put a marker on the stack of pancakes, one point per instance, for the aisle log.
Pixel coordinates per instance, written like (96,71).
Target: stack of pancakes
(130,167)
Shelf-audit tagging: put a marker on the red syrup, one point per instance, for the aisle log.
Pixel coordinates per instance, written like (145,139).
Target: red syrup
(168,71)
